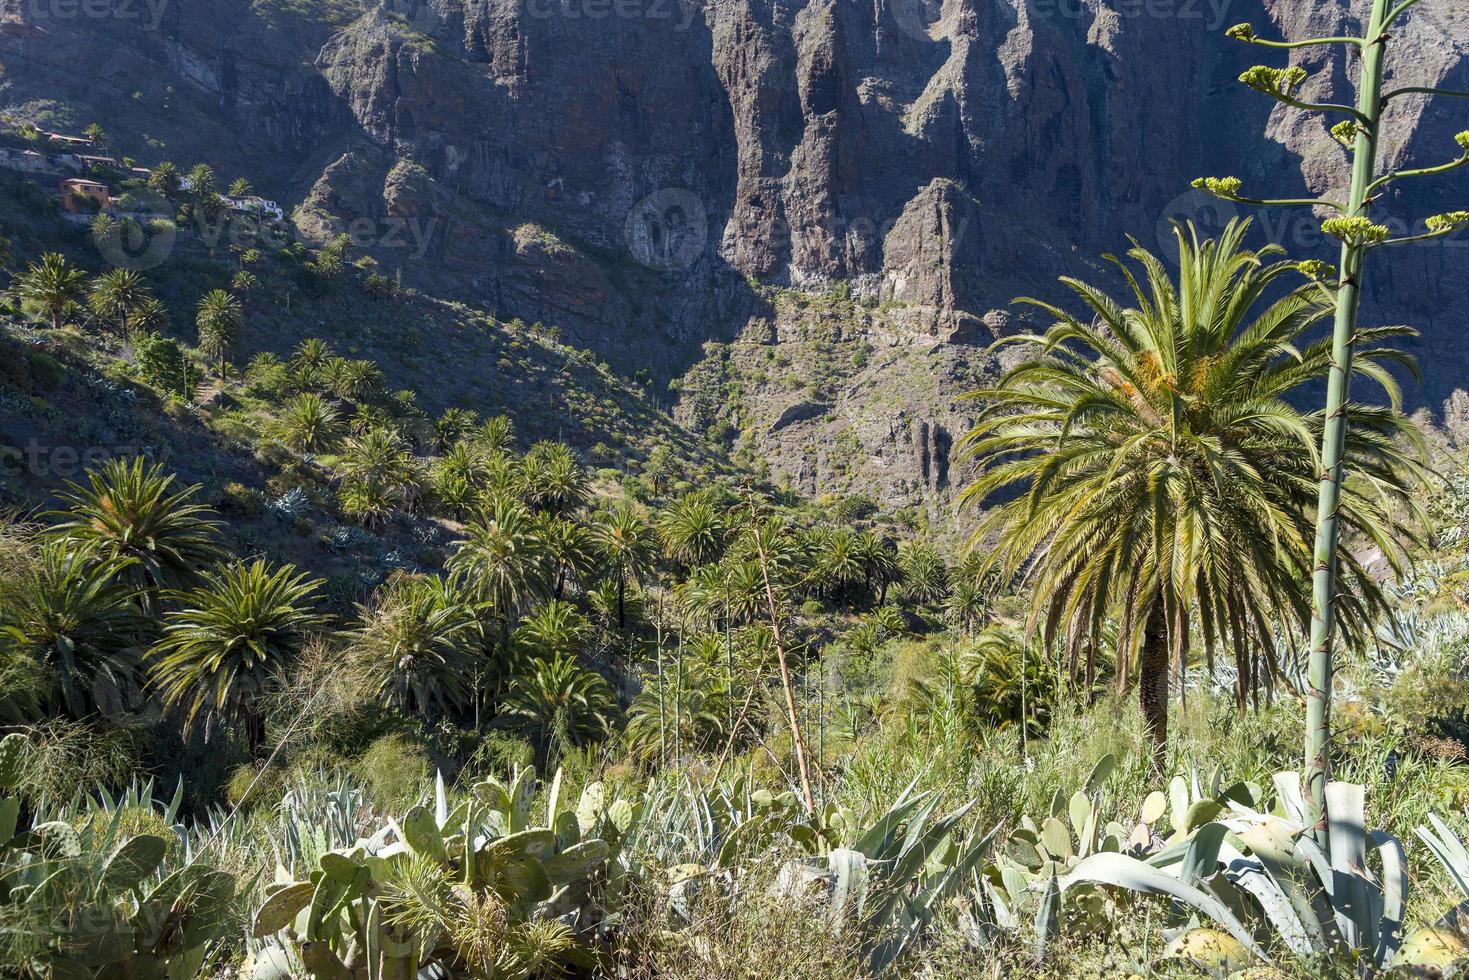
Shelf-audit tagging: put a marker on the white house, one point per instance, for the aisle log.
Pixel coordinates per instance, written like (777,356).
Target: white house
(256,205)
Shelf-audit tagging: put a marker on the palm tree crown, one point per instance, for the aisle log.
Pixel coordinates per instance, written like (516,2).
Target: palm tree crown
(1164,477)
(231,641)
(52,284)
(128,510)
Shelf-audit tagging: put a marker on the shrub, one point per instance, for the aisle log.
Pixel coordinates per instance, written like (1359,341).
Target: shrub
(395,768)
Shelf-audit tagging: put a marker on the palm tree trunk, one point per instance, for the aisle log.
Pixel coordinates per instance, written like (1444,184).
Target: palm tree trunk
(1154,669)
(621,601)
(1333,436)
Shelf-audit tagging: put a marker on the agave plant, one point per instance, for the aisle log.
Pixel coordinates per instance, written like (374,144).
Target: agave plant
(471,889)
(85,898)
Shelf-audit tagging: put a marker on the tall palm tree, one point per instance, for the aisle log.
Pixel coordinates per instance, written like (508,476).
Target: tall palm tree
(838,562)
(219,320)
(626,543)
(925,576)
(70,611)
(419,646)
(502,558)
(569,550)
(129,510)
(1165,480)
(52,284)
(879,558)
(166,179)
(116,293)
(230,642)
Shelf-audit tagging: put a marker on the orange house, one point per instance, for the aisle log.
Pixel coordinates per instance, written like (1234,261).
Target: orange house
(72,190)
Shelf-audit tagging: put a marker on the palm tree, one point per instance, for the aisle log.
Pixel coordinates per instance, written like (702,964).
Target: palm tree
(502,558)
(351,379)
(924,575)
(166,179)
(70,612)
(308,423)
(879,560)
(569,551)
(148,315)
(419,646)
(495,435)
(692,530)
(52,284)
(230,643)
(129,511)
(454,425)
(309,362)
(1012,679)
(626,543)
(552,480)
(838,562)
(557,627)
(561,704)
(201,181)
(115,293)
(1165,480)
(219,320)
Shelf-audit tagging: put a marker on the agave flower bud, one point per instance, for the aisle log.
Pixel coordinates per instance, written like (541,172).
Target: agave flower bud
(1463,140)
(1225,187)
(1316,269)
(1279,82)
(1453,221)
(1241,32)
(1346,132)
(1356,230)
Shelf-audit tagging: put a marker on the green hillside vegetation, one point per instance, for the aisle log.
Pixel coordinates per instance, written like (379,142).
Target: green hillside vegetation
(350,634)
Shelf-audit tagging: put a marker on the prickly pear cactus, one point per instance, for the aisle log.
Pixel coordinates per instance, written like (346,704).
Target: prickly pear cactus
(1212,950)
(486,867)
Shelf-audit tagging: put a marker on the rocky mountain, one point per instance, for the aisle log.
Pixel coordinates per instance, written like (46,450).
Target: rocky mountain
(810,216)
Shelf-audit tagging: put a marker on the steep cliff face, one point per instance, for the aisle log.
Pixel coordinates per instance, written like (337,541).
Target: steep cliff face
(630,169)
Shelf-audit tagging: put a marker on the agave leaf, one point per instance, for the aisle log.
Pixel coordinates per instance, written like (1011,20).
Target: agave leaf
(1394,895)
(1449,850)
(1122,871)
(1047,916)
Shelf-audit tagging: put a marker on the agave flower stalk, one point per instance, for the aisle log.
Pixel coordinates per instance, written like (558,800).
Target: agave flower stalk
(1359,236)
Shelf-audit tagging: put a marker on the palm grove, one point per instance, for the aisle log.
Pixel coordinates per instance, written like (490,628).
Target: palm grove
(1155,498)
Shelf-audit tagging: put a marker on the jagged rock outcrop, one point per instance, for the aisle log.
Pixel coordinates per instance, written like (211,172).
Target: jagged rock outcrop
(623,170)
